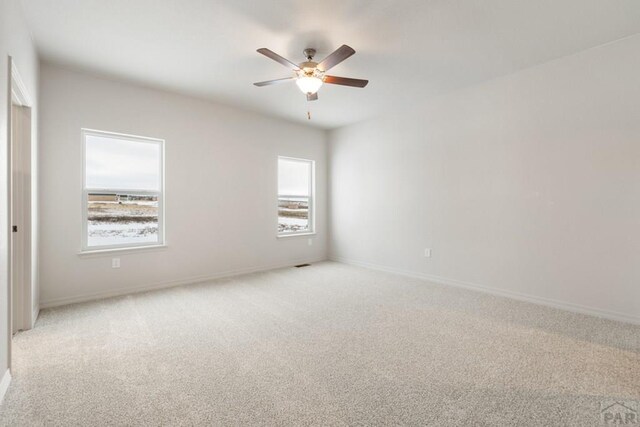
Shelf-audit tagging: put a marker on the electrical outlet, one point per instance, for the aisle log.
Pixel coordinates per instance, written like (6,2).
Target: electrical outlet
(115,263)
(310,242)
(427,253)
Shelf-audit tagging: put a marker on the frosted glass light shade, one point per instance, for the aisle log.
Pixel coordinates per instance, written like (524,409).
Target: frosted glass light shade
(309,84)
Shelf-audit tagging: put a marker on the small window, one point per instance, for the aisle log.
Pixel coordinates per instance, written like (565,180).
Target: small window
(295,196)
(123,188)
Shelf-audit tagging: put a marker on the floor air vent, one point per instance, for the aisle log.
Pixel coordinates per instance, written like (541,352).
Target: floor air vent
(302,265)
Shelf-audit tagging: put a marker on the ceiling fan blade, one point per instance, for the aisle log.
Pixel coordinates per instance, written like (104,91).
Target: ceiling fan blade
(312,96)
(273,82)
(340,54)
(345,81)
(270,54)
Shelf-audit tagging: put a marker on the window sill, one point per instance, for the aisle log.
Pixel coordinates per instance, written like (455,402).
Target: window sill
(286,236)
(120,251)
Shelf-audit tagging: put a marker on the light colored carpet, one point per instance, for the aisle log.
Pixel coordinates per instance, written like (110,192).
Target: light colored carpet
(329,344)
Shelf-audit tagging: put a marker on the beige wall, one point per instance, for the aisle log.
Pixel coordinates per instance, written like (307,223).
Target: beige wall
(528,185)
(221,186)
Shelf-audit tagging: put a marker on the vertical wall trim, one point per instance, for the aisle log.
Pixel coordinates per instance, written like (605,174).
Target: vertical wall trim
(4,384)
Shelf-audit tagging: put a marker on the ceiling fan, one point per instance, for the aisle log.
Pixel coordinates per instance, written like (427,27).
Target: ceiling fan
(310,75)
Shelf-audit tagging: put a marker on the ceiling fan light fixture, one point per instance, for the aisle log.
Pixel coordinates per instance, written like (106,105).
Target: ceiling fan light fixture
(310,75)
(309,84)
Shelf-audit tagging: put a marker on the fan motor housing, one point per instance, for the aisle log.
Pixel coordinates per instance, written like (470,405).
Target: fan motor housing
(308,66)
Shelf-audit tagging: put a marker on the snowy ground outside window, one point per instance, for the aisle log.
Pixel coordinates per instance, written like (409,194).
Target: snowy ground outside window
(122,219)
(293,214)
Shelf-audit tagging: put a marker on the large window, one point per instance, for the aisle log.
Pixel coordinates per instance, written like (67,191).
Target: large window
(295,196)
(122,191)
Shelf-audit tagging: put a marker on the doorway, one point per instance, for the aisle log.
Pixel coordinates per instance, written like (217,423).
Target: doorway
(20,272)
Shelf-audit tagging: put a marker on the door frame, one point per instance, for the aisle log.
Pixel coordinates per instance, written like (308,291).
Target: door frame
(19,96)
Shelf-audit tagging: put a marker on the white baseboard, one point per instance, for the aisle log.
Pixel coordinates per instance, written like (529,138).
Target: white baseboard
(4,384)
(56,302)
(562,305)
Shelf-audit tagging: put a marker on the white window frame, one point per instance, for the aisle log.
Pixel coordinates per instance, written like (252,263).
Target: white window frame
(312,198)
(85,248)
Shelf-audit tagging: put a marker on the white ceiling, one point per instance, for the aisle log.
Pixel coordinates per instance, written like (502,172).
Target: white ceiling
(408,49)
